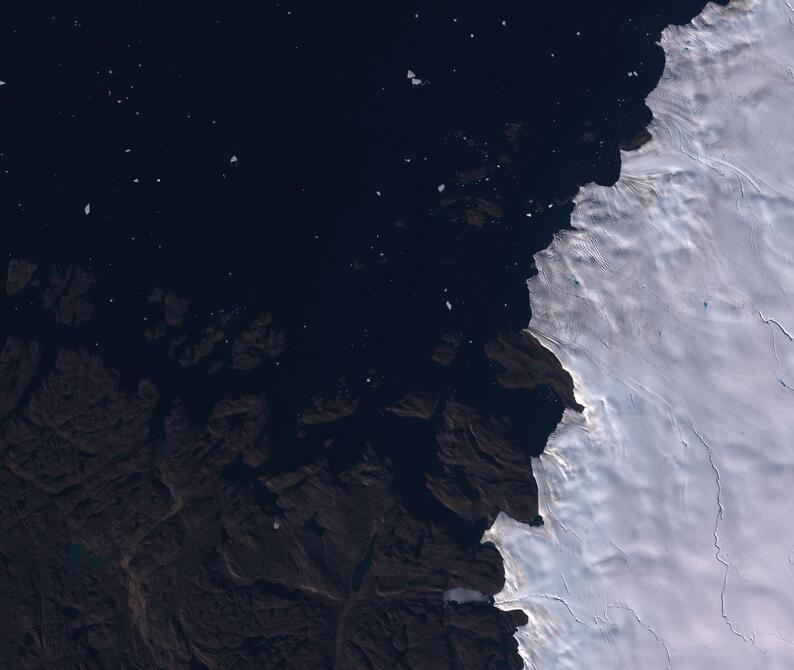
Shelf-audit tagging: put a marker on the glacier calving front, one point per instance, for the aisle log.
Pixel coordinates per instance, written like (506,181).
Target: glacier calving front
(669,504)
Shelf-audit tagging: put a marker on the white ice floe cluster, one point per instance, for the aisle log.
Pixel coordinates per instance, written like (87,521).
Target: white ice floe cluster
(669,504)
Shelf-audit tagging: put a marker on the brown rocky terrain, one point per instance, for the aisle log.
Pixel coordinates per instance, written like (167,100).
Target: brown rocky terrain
(136,537)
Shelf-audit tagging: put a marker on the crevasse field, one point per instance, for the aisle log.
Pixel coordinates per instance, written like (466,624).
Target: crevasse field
(669,504)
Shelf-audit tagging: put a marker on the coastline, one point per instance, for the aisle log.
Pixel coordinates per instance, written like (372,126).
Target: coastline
(265,377)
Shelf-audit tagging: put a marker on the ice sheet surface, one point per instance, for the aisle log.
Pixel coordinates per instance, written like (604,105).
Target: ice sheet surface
(669,505)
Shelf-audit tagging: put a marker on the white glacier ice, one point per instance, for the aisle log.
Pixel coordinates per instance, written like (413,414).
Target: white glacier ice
(669,504)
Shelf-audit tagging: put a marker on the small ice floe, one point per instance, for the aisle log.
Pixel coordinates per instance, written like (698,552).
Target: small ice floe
(87,208)
(461,596)
(416,81)
(441,187)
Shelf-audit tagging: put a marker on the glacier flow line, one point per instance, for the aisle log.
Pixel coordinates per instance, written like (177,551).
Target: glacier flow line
(719,553)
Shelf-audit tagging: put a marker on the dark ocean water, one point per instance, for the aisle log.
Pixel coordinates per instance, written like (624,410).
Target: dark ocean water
(315,104)
(277,158)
